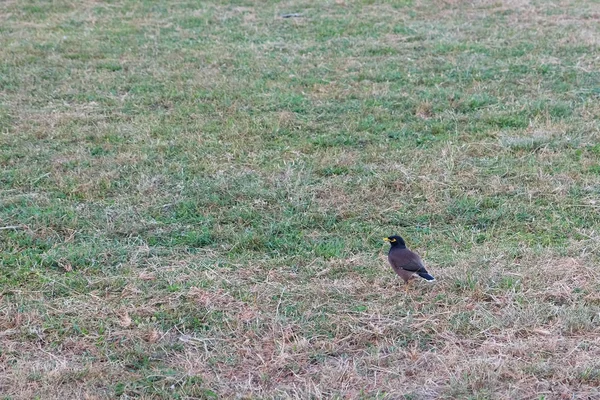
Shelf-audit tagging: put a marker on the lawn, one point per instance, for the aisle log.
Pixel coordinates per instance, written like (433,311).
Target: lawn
(193,196)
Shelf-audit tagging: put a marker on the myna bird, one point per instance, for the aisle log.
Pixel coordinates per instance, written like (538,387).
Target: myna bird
(406,263)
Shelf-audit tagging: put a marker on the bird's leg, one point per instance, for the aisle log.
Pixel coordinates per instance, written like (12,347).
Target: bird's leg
(406,284)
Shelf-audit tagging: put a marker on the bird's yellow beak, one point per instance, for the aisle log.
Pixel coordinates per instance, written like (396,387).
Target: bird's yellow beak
(386,239)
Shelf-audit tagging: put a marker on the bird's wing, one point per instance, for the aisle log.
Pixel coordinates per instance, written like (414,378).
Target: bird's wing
(406,260)
(412,266)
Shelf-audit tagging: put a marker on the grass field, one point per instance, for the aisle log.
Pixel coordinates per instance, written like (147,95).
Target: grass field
(193,196)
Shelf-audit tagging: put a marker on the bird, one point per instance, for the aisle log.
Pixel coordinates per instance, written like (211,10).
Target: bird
(406,263)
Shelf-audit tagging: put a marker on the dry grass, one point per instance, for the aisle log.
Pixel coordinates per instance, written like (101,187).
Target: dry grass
(192,198)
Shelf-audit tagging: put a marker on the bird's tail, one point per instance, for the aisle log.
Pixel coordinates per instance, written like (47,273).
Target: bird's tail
(425,275)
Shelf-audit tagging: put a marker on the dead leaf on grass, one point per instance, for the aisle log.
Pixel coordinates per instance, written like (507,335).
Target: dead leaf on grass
(147,276)
(152,336)
(124,319)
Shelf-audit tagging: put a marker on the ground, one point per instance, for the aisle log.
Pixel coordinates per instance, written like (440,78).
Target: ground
(193,197)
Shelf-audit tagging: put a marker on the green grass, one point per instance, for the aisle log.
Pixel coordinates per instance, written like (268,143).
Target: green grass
(193,196)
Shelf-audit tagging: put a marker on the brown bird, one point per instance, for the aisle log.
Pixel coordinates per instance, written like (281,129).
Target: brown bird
(406,263)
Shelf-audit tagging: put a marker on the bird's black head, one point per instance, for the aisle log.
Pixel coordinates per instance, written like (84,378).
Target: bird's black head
(395,241)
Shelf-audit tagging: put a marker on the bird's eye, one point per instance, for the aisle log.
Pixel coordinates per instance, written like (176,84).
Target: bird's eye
(392,240)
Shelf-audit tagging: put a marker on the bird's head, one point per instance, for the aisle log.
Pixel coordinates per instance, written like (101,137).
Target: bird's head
(395,241)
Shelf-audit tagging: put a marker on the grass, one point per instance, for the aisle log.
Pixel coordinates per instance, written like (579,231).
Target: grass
(193,196)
